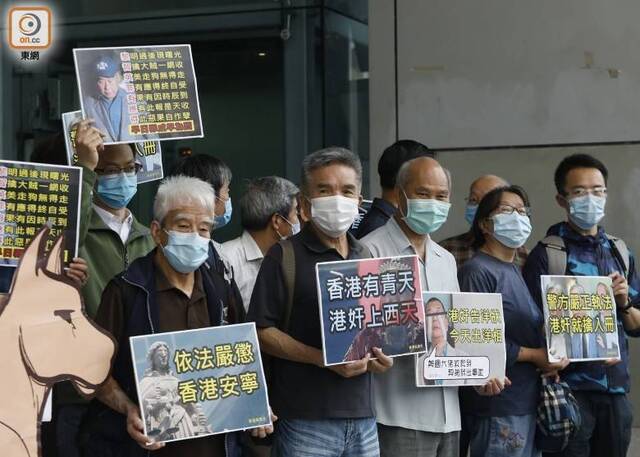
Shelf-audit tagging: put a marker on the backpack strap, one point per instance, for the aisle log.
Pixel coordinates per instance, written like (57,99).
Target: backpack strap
(556,255)
(289,272)
(621,251)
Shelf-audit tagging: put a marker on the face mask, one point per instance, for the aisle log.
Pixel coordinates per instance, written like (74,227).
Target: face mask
(118,190)
(334,215)
(425,216)
(512,230)
(185,252)
(470,213)
(295,228)
(586,211)
(221,221)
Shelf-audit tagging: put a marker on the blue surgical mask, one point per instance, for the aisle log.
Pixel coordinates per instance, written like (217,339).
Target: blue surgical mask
(116,191)
(185,252)
(425,216)
(221,221)
(470,213)
(586,211)
(512,230)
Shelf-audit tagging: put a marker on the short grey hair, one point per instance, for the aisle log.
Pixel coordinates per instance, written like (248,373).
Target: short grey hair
(403,173)
(180,190)
(265,197)
(326,157)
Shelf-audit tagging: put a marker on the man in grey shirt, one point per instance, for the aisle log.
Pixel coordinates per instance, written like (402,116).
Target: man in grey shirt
(414,420)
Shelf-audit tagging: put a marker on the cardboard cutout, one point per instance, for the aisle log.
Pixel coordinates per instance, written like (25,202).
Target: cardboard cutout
(46,338)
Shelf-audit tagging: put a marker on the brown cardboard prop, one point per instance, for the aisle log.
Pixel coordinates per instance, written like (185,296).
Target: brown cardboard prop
(45,337)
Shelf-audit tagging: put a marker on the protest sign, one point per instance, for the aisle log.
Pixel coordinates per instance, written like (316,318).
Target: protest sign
(139,93)
(33,195)
(370,303)
(147,153)
(200,382)
(580,318)
(69,120)
(465,339)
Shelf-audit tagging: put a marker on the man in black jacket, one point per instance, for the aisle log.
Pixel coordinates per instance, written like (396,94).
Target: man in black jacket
(170,289)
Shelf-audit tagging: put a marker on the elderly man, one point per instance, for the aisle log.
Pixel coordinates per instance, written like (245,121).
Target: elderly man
(167,290)
(422,190)
(107,105)
(214,171)
(323,411)
(461,246)
(268,213)
(404,427)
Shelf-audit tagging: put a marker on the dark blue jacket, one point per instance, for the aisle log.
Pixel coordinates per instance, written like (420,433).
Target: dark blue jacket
(378,215)
(588,256)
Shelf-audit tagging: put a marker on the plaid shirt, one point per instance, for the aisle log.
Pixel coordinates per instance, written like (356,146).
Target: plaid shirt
(461,246)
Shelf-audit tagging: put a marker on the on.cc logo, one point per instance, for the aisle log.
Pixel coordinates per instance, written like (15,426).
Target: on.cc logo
(29,27)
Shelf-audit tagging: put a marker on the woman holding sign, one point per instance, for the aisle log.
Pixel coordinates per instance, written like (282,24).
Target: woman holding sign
(504,425)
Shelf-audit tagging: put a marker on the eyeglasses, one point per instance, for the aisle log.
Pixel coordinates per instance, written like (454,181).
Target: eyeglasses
(471,201)
(508,209)
(598,191)
(112,171)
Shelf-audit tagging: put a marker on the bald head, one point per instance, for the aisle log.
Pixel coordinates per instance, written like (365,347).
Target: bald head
(422,168)
(483,185)
(423,178)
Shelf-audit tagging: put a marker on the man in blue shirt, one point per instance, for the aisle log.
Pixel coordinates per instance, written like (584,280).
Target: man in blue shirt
(600,387)
(107,106)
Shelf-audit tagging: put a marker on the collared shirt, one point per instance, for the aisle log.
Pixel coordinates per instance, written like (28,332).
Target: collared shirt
(589,256)
(245,258)
(178,311)
(378,215)
(301,390)
(122,228)
(399,403)
(461,246)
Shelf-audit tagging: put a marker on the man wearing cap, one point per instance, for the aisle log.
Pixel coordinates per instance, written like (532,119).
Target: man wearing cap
(107,105)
